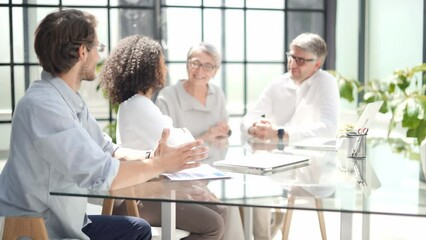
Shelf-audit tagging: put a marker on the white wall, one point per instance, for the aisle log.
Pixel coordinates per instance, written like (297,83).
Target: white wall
(347,29)
(395,36)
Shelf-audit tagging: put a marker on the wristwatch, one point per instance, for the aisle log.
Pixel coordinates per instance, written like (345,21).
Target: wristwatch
(280,133)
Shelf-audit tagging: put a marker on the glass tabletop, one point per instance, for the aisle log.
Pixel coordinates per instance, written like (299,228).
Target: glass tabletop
(382,183)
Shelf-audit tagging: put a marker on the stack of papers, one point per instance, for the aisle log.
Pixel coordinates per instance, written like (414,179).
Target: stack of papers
(204,171)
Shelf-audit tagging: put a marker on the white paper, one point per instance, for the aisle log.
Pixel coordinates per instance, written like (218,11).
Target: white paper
(179,136)
(204,171)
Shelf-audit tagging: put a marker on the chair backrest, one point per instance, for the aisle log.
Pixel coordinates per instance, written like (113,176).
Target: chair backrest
(24,226)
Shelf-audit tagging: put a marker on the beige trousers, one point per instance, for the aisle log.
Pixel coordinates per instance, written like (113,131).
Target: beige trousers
(204,222)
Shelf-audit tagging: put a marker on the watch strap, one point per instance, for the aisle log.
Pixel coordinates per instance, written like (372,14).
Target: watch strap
(280,133)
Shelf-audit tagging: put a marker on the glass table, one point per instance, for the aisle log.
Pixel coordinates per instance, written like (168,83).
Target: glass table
(382,183)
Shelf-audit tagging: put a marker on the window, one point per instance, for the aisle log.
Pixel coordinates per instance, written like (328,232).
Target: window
(252,36)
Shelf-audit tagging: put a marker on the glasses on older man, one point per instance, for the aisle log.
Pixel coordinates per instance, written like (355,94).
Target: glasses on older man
(299,61)
(195,64)
(100,47)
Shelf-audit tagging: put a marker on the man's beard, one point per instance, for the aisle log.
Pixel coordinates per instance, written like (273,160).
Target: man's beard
(87,74)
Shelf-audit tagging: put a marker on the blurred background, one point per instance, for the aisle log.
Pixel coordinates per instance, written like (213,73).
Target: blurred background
(367,40)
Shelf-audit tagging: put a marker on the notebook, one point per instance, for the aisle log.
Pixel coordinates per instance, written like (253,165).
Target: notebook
(333,144)
(263,163)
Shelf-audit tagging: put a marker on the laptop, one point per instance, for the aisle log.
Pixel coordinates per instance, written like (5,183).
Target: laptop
(333,144)
(263,163)
(368,114)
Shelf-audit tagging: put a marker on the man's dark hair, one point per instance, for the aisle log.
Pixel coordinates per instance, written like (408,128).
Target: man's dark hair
(59,36)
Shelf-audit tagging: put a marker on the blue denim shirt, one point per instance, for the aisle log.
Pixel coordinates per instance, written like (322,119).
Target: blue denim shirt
(55,144)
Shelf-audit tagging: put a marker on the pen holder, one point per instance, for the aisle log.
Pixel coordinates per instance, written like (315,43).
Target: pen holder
(357,145)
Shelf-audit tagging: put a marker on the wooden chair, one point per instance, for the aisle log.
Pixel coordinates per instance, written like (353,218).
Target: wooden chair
(132,207)
(287,220)
(24,226)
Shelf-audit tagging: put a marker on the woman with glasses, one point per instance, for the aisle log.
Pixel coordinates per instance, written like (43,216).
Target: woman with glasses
(200,106)
(196,103)
(134,70)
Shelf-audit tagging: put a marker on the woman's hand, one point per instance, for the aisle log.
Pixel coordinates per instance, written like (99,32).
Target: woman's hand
(220,130)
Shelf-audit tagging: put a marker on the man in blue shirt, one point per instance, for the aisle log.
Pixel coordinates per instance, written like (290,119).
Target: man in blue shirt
(57,144)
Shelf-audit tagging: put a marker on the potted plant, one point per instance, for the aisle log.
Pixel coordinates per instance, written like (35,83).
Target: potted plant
(404,97)
(348,87)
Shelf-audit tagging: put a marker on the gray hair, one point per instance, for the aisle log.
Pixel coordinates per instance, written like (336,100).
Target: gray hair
(312,43)
(206,48)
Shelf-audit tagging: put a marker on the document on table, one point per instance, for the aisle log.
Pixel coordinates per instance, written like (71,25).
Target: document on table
(204,171)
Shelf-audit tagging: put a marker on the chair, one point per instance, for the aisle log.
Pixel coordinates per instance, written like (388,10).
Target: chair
(287,219)
(132,210)
(24,226)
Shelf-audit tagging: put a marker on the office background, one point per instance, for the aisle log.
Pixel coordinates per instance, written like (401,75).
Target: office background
(367,40)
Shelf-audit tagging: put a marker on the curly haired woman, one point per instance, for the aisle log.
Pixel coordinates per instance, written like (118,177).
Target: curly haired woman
(134,70)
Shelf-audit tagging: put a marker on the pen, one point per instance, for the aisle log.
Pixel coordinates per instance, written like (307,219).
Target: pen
(355,149)
(358,174)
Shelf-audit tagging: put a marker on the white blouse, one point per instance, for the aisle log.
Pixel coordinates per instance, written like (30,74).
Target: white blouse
(140,123)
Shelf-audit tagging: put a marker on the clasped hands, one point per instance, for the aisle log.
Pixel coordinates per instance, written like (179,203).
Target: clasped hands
(263,129)
(220,130)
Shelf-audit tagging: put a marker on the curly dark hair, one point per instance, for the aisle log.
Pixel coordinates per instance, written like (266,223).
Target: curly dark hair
(132,66)
(59,36)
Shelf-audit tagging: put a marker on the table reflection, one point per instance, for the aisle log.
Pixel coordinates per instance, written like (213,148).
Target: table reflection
(385,182)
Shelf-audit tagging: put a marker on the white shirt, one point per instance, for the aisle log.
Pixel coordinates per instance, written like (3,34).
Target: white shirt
(55,144)
(308,110)
(140,123)
(187,111)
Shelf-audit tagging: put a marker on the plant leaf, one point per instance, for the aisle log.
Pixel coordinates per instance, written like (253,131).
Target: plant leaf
(346,90)
(409,113)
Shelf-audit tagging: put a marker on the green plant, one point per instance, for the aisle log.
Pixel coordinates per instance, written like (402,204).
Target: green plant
(348,87)
(404,97)
(111,127)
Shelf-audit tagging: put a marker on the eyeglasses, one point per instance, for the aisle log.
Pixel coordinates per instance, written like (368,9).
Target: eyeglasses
(299,61)
(206,67)
(100,47)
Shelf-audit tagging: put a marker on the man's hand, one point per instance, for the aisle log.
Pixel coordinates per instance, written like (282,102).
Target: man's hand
(173,159)
(166,159)
(263,129)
